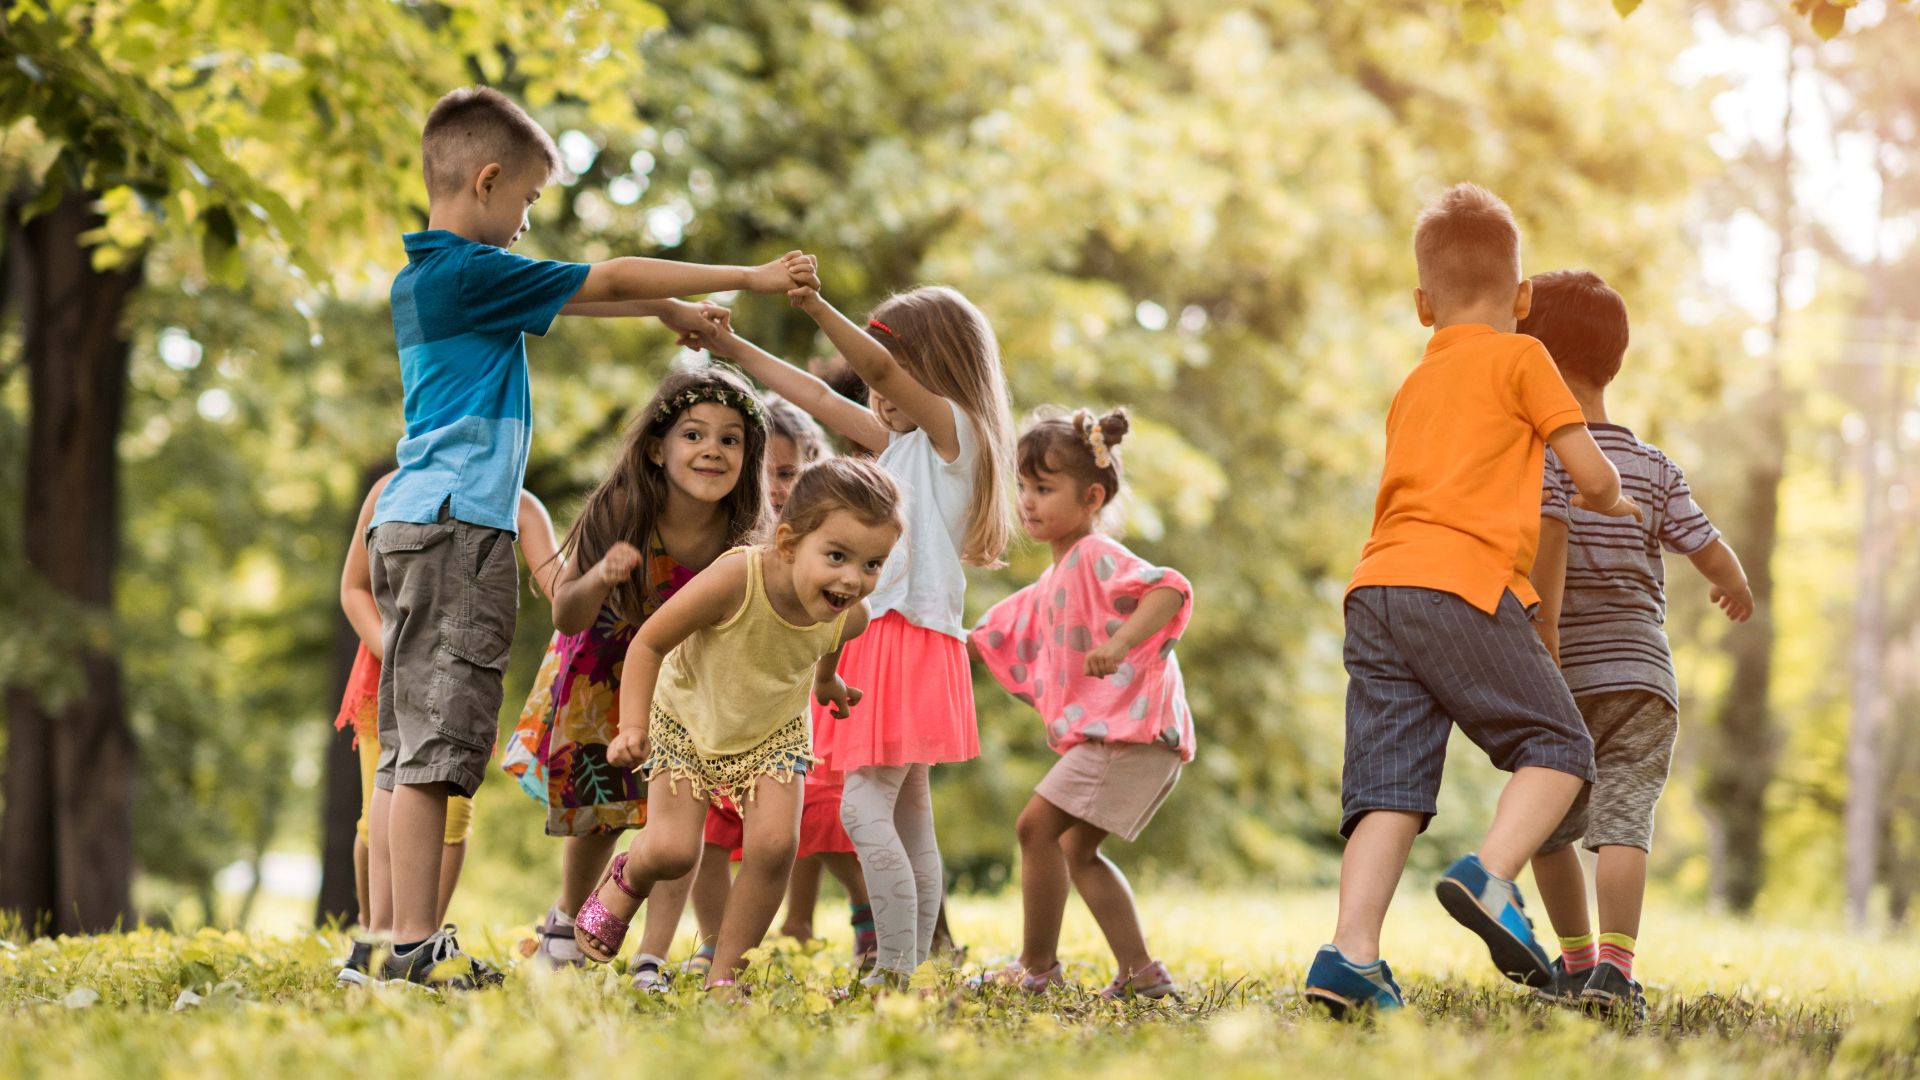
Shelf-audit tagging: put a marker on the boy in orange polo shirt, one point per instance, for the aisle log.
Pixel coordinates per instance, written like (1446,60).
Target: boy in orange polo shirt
(1439,611)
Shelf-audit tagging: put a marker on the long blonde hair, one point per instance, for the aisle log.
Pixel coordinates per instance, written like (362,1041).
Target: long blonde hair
(947,345)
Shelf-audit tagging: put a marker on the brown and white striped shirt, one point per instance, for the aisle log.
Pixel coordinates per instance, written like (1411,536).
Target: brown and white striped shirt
(1615,605)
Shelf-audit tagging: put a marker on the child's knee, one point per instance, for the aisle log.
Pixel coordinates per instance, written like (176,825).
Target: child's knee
(1079,848)
(1035,827)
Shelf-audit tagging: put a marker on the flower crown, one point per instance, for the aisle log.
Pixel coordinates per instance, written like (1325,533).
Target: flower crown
(1096,440)
(748,405)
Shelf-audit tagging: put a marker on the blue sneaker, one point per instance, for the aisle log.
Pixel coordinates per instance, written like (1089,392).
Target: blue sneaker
(1490,906)
(1342,987)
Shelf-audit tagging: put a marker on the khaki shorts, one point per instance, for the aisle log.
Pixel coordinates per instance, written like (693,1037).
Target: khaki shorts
(448,593)
(459,810)
(1112,786)
(1633,735)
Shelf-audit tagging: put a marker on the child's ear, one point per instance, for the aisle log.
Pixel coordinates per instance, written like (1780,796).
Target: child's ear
(1523,301)
(1423,307)
(485,179)
(784,540)
(1094,498)
(656,453)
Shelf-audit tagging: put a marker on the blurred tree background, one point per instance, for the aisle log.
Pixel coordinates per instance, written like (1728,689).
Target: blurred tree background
(1200,210)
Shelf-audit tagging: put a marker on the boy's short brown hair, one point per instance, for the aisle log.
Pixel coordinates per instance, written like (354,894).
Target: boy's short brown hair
(474,126)
(1581,321)
(1467,246)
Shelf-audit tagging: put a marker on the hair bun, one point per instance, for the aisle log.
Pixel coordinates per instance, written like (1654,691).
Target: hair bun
(1115,425)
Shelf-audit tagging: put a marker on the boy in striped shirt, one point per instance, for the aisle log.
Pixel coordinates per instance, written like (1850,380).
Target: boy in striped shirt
(1602,606)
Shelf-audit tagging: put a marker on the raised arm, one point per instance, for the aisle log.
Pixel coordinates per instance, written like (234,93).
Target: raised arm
(1550,581)
(635,278)
(880,371)
(850,419)
(1720,566)
(1594,477)
(714,594)
(538,545)
(356,578)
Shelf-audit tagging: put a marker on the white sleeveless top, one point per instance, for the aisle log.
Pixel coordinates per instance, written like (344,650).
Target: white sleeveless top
(924,579)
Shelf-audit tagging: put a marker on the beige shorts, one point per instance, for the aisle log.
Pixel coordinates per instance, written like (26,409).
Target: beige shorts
(1112,786)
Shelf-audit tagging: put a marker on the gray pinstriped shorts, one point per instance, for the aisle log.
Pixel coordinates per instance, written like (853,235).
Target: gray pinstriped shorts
(1420,661)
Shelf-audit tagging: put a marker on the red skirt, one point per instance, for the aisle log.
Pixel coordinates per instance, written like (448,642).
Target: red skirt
(916,706)
(820,829)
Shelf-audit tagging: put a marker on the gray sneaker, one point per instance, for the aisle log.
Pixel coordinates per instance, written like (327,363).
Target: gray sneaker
(437,963)
(354,969)
(1610,992)
(1565,986)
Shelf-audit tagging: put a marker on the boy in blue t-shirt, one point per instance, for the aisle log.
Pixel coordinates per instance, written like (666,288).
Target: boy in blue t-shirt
(441,537)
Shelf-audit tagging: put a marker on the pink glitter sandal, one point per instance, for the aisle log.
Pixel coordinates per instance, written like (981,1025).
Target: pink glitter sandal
(600,932)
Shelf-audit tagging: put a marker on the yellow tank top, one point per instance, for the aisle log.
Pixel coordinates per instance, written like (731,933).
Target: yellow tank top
(734,683)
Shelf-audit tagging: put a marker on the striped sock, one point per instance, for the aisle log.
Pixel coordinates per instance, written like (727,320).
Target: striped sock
(864,938)
(1617,949)
(1578,953)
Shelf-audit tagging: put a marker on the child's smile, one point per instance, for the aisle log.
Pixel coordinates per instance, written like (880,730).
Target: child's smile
(838,564)
(703,452)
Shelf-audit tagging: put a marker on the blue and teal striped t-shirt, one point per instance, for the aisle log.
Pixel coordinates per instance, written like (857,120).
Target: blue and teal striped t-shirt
(460,312)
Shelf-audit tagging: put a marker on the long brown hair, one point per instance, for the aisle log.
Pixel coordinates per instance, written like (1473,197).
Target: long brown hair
(628,503)
(947,345)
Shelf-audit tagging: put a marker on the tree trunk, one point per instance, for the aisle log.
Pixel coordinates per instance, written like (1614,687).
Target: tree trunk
(339,901)
(66,842)
(1740,766)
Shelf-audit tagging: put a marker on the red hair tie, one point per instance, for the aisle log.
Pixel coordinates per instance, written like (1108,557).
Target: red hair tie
(878,325)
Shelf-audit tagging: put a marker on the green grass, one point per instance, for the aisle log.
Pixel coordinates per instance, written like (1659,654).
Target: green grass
(1728,998)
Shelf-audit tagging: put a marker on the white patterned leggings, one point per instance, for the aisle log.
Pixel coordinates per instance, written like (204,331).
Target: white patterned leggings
(888,812)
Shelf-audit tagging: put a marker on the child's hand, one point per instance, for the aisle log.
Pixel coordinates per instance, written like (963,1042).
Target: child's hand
(692,323)
(804,270)
(1738,604)
(1625,507)
(778,275)
(803,297)
(836,695)
(619,563)
(1105,660)
(630,748)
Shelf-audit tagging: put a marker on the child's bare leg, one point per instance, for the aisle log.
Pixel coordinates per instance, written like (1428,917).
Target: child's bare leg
(582,859)
(1620,878)
(664,908)
(772,834)
(845,868)
(1530,809)
(668,848)
(1369,871)
(1563,890)
(1043,882)
(712,884)
(1107,895)
(803,894)
(360,853)
(416,828)
(452,858)
(379,864)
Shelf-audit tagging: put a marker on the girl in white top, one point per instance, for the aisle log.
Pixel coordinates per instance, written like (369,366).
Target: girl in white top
(940,423)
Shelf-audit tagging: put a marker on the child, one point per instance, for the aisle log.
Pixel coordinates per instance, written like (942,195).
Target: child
(1438,629)
(443,581)
(726,665)
(1608,640)
(938,419)
(794,442)
(686,486)
(1090,645)
(360,707)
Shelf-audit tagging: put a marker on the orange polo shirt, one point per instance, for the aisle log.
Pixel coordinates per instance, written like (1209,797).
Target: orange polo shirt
(1459,502)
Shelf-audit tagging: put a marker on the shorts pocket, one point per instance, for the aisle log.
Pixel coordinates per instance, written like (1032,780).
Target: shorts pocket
(471,676)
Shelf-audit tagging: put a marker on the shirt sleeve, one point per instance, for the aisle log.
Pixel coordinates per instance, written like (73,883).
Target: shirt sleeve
(1684,528)
(1541,394)
(1555,485)
(502,291)
(1009,643)
(1126,579)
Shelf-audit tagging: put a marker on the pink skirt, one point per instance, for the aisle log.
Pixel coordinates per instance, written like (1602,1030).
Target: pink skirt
(916,706)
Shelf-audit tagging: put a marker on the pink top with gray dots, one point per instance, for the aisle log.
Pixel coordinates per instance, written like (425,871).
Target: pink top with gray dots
(1036,641)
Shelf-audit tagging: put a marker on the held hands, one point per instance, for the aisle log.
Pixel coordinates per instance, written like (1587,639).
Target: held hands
(805,270)
(619,563)
(836,695)
(790,271)
(630,748)
(1105,660)
(693,324)
(1738,604)
(1623,508)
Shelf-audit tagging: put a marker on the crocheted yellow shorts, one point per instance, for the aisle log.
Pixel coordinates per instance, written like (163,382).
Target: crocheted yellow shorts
(783,755)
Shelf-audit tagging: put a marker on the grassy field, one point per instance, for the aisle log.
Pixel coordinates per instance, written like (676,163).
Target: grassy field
(1733,999)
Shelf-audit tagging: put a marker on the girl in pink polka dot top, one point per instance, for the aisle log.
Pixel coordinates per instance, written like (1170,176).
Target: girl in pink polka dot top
(1091,646)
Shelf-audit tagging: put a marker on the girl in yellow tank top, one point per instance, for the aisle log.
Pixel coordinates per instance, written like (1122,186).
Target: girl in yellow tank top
(714,700)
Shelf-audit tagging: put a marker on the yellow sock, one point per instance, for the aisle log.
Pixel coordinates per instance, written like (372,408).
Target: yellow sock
(1617,949)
